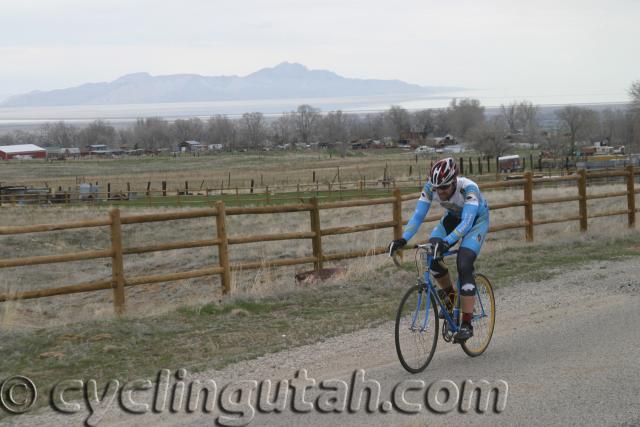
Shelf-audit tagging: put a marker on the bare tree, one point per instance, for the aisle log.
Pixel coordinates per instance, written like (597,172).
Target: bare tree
(424,121)
(489,137)
(555,142)
(616,126)
(510,115)
(634,93)
(441,122)
(399,120)
(334,130)
(189,129)
(578,122)
(221,130)
(374,126)
(334,126)
(153,133)
(98,132)
(253,129)
(283,129)
(464,116)
(306,119)
(21,137)
(528,121)
(59,134)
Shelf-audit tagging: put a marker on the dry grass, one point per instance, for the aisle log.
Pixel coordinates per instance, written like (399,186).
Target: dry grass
(159,298)
(263,168)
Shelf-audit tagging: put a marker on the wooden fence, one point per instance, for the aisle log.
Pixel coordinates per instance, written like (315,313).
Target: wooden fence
(120,280)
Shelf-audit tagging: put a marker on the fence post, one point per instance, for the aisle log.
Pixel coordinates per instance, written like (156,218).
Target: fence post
(117,265)
(317,238)
(582,192)
(528,207)
(631,196)
(223,249)
(397,214)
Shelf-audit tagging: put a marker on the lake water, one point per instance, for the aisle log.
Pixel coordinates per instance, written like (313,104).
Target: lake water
(30,116)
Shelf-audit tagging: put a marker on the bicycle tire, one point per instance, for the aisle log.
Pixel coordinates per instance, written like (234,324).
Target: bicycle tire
(416,348)
(482,326)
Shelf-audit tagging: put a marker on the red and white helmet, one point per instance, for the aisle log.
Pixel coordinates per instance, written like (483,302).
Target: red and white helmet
(443,172)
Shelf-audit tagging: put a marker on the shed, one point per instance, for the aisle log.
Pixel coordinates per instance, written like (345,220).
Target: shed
(191,146)
(24,151)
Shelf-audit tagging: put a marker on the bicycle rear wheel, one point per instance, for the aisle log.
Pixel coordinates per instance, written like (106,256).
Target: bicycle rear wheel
(484,318)
(415,341)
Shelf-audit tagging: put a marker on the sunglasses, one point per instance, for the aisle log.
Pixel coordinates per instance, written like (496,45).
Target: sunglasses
(443,187)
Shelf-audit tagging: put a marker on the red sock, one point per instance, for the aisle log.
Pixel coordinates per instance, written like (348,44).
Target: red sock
(466,317)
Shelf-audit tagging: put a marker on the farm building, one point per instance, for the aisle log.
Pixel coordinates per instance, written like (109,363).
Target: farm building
(191,146)
(510,163)
(24,151)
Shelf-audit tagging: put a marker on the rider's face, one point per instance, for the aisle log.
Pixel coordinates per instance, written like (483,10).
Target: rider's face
(444,193)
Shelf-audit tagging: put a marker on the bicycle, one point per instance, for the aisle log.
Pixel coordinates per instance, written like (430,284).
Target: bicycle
(417,322)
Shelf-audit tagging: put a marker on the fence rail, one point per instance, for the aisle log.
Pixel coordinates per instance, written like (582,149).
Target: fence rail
(119,280)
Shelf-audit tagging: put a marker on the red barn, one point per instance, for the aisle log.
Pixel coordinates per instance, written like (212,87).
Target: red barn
(24,151)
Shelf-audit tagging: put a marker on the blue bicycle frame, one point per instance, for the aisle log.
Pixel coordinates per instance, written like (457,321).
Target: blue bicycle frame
(453,326)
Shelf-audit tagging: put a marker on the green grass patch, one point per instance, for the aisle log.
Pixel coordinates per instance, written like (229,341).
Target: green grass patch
(216,335)
(255,199)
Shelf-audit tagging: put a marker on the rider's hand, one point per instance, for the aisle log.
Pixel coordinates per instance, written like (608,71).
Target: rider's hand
(395,245)
(440,248)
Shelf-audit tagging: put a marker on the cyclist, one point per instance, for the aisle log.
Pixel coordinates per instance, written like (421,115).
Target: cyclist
(466,220)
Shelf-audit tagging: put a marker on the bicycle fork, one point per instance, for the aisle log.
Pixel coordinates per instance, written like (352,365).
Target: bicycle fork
(423,290)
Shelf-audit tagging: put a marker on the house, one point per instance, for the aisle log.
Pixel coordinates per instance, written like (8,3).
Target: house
(191,146)
(24,151)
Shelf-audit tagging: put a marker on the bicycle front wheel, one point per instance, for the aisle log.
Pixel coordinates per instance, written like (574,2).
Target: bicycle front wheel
(416,329)
(484,318)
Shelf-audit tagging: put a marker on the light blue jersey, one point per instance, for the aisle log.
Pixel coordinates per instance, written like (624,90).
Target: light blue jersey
(466,207)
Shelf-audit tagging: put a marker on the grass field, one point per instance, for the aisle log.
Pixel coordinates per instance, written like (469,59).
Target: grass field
(274,168)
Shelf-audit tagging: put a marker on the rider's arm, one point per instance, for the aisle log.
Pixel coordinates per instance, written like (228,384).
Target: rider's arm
(422,207)
(469,212)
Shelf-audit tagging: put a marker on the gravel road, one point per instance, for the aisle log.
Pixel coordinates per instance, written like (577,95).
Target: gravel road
(567,348)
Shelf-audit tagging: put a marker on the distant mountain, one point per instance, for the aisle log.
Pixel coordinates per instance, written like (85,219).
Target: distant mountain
(285,80)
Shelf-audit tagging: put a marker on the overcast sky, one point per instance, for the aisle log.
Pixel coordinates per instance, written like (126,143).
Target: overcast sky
(518,48)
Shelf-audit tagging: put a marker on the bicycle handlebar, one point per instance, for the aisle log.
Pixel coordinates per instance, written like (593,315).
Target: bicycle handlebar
(426,246)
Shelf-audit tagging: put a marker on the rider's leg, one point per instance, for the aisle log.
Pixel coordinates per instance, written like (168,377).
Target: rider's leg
(469,250)
(466,258)
(440,272)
